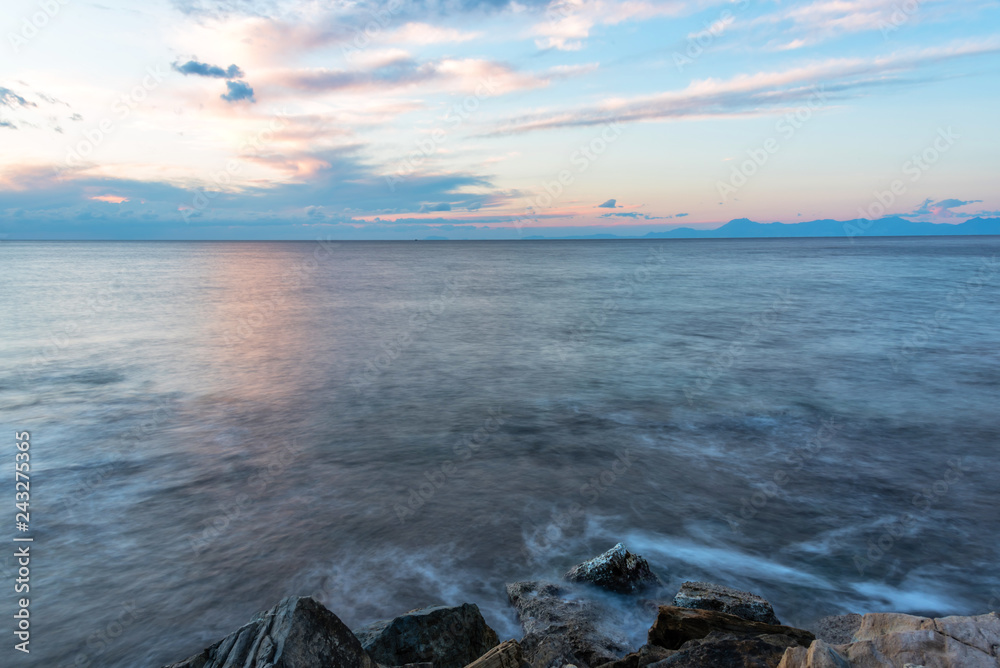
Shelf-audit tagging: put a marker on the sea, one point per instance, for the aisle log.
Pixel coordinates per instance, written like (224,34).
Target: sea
(390,425)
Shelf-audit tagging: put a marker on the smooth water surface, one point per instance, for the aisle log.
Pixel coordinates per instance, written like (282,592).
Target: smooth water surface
(391,425)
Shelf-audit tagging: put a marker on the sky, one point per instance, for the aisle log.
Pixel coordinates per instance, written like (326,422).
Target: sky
(400,119)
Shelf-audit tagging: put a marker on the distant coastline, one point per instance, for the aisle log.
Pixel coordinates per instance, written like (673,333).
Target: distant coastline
(741,228)
(744,228)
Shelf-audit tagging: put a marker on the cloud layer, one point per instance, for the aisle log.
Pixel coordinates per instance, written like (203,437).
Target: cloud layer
(399,113)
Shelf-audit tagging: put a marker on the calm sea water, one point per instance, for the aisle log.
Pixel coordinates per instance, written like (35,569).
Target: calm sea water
(391,425)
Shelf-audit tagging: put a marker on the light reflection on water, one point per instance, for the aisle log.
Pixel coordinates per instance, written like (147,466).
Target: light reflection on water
(206,438)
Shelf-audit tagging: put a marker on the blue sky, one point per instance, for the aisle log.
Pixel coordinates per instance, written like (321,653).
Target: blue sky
(493,119)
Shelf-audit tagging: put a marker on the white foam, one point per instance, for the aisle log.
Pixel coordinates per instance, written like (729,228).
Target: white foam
(723,560)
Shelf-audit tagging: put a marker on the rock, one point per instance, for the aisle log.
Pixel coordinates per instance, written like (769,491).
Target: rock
(837,629)
(708,596)
(296,633)
(559,629)
(646,655)
(448,637)
(729,650)
(616,570)
(817,655)
(675,626)
(505,655)
(892,639)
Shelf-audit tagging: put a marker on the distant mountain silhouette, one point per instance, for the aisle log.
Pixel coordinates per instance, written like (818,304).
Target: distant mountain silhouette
(883,227)
(743,228)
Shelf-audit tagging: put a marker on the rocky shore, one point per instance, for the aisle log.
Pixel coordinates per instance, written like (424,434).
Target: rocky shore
(703,625)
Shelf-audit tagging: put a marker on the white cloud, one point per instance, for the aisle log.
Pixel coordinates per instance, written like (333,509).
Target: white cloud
(752,94)
(568,23)
(425,33)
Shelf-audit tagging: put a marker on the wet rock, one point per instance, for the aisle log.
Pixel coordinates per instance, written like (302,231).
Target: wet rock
(728,650)
(708,596)
(448,637)
(505,655)
(675,626)
(646,655)
(892,639)
(616,570)
(817,655)
(837,629)
(297,632)
(560,629)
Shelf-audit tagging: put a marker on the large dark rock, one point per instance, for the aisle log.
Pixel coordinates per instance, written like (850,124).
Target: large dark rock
(560,629)
(296,633)
(708,596)
(646,655)
(675,626)
(616,570)
(448,637)
(727,650)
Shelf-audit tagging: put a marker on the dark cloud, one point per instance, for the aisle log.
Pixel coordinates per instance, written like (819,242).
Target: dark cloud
(345,187)
(7,124)
(610,204)
(955,203)
(205,70)
(682,215)
(944,207)
(443,206)
(51,100)
(9,98)
(238,90)
(635,214)
(401,71)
